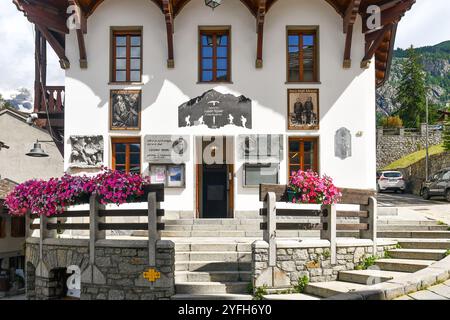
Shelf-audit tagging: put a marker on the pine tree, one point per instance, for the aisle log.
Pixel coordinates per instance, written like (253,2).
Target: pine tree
(446,134)
(411,92)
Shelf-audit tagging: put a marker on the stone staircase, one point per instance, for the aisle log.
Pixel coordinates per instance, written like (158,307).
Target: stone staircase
(413,254)
(212,270)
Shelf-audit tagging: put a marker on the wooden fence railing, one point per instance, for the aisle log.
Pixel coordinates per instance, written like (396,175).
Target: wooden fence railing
(97,225)
(366,214)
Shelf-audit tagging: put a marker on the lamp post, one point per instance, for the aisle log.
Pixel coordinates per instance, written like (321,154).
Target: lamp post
(37,151)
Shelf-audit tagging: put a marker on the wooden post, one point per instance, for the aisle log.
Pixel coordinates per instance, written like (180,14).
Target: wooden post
(44,233)
(270,232)
(94,232)
(153,234)
(371,234)
(328,218)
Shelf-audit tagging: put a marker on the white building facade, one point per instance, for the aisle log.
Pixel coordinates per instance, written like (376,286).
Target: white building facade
(346,96)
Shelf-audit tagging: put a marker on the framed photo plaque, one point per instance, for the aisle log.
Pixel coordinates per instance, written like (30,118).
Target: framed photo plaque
(125,110)
(303,109)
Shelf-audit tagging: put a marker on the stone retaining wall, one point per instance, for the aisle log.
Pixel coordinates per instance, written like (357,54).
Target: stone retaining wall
(394,147)
(117,274)
(311,259)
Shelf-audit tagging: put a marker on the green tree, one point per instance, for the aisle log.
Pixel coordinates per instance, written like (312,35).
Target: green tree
(446,134)
(411,91)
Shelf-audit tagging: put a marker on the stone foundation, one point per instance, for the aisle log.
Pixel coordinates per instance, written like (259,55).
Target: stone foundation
(117,273)
(311,258)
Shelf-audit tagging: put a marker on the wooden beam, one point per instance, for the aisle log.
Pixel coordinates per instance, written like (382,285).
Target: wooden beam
(56,45)
(391,14)
(349,20)
(81,17)
(260,18)
(372,46)
(167,8)
(46,15)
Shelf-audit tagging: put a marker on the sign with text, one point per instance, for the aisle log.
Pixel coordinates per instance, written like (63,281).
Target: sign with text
(166,149)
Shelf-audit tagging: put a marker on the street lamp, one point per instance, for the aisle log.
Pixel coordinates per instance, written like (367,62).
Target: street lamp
(213,3)
(37,151)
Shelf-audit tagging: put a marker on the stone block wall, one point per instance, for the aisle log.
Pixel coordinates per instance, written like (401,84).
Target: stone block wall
(394,147)
(118,272)
(297,261)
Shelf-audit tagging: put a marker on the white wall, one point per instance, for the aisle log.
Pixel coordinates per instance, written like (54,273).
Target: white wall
(20,137)
(347,96)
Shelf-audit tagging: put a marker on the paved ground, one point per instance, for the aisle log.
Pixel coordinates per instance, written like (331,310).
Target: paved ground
(437,292)
(21,297)
(391,199)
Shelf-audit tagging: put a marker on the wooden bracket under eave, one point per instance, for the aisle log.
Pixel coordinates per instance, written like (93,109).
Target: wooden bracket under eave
(260,19)
(167,8)
(349,20)
(373,42)
(56,46)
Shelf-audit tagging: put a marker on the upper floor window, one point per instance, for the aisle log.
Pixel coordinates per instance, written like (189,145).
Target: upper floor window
(214,55)
(127,56)
(126,154)
(302,55)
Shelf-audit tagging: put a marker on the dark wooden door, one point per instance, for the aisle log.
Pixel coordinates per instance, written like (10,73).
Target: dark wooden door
(215,191)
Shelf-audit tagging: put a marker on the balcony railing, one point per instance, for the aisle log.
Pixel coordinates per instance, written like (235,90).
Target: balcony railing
(55,97)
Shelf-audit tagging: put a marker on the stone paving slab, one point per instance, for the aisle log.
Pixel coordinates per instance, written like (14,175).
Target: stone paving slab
(441,289)
(289,297)
(426,295)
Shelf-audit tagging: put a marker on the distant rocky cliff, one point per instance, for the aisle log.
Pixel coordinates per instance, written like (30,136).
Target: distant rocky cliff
(436,64)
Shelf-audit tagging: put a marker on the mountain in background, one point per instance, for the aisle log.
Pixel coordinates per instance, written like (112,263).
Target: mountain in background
(21,100)
(436,64)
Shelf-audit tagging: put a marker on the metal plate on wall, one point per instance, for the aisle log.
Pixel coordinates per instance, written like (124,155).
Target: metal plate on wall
(343,143)
(166,149)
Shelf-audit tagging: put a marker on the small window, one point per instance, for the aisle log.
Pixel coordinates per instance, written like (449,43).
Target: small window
(126,155)
(302,56)
(256,174)
(2,227)
(303,154)
(127,56)
(214,59)
(17,227)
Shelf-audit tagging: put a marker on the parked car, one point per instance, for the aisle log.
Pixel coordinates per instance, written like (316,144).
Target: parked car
(438,185)
(390,180)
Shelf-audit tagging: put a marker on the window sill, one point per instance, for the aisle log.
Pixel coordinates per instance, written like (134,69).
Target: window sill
(303,82)
(125,83)
(214,82)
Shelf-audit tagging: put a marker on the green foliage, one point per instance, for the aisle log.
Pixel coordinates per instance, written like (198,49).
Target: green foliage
(414,157)
(387,255)
(326,253)
(250,288)
(301,284)
(366,263)
(447,253)
(260,292)
(411,91)
(398,246)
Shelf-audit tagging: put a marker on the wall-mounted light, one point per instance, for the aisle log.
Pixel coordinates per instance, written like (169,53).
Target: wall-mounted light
(37,151)
(213,3)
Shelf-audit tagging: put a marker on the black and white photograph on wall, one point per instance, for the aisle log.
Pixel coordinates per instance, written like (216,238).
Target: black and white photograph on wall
(303,109)
(125,110)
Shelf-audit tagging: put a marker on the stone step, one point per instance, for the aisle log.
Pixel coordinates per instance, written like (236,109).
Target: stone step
(415,234)
(369,277)
(213,276)
(216,222)
(332,288)
(291,297)
(417,254)
(238,234)
(226,256)
(200,288)
(207,266)
(213,247)
(403,265)
(245,297)
(393,228)
(208,227)
(408,222)
(425,244)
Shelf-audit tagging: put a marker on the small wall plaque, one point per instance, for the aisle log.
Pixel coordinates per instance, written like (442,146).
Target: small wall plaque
(165,149)
(87,151)
(343,143)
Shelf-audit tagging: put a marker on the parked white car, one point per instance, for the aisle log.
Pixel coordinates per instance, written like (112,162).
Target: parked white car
(390,180)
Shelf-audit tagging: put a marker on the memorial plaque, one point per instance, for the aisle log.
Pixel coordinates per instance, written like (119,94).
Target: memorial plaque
(166,149)
(343,143)
(267,148)
(87,151)
(216,110)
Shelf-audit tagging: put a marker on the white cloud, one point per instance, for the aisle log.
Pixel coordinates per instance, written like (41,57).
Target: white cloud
(17,52)
(427,23)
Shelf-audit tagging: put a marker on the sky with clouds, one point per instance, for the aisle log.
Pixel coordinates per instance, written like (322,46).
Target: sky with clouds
(427,23)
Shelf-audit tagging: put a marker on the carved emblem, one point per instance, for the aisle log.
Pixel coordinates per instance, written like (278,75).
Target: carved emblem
(87,151)
(152,275)
(343,143)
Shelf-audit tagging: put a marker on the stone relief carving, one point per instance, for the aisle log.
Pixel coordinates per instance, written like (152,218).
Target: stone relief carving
(343,143)
(87,151)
